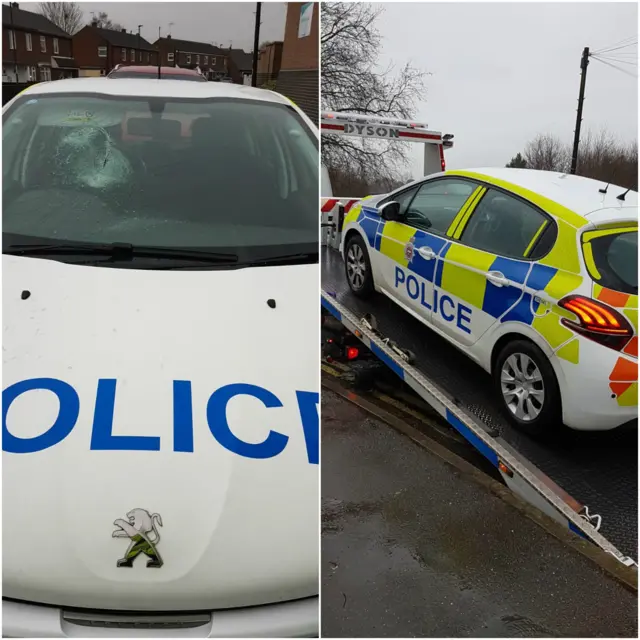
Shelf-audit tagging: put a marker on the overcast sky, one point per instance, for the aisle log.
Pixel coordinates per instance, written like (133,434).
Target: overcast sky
(222,23)
(504,72)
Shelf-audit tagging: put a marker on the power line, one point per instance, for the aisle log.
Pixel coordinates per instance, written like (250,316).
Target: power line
(633,75)
(633,64)
(626,46)
(618,53)
(616,44)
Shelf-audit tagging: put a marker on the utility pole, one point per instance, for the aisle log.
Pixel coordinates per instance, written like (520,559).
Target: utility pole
(159,57)
(584,62)
(256,43)
(139,49)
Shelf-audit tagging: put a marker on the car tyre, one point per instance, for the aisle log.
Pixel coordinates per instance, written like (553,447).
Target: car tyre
(528,390)
(357,267)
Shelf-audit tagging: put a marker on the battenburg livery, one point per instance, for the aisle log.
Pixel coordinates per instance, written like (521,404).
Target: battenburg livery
(532,274)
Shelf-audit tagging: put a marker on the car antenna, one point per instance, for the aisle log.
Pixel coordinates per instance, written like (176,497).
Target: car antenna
(622,195)
(605,189)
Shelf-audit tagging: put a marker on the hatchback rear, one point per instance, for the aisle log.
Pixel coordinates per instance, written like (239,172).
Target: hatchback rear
(605,321)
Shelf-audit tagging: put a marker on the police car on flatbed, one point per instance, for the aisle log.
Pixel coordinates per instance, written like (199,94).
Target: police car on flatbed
(160,420)
(532,274)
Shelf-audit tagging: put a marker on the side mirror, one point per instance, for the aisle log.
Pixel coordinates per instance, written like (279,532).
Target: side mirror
(390,211)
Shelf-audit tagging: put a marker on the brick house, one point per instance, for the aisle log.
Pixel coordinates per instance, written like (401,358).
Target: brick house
(269,63)
(299,74)
(97,51)
(33,48)
(240,65)
(211,60)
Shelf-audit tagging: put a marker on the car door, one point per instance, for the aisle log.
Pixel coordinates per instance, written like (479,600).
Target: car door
(410,248)
(485,266)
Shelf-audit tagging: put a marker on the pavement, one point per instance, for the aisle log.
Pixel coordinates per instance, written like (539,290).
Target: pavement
(412,547)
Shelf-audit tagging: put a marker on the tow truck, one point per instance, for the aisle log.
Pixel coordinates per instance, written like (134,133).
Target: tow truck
(589,484)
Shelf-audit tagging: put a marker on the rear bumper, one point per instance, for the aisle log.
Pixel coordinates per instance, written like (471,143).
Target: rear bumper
(296,619)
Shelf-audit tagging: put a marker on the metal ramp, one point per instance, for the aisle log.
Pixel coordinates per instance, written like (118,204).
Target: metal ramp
(590,483)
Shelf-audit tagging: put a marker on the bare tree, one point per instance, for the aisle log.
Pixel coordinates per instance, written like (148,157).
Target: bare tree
(349,182)
(548,153)
(601,157)
(103,21)
(350,47)
(67,16)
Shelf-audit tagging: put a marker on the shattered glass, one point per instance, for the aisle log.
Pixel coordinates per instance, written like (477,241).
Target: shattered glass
(88,156)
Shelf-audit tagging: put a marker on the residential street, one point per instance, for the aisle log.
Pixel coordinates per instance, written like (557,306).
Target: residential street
(413,547)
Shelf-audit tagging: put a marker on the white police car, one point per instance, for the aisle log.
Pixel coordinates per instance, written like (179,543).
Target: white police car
(160,399)
(534,275)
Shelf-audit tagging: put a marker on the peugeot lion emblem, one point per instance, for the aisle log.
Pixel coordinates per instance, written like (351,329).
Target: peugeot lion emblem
(143,534)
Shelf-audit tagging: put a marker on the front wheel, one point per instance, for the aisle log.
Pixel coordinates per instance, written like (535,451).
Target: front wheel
(528,389)
(357,267)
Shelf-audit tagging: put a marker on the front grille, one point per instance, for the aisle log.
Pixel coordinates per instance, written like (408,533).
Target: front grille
(135,620)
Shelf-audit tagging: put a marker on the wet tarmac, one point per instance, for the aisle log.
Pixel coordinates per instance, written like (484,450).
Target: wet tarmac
(412,547)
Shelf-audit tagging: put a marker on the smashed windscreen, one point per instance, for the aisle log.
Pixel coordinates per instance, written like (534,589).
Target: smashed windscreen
(163,172)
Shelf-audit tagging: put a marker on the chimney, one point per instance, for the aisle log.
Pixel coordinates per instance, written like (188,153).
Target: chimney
(168,36)
(15,5)
(94,22)
(123,30)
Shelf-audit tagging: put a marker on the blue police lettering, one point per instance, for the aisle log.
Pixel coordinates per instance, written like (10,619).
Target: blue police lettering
(440,303)
(103,439)
(444,299)
(423,302)
(274,443)
(413,280)
(463,318)
(182,416)
(58,431)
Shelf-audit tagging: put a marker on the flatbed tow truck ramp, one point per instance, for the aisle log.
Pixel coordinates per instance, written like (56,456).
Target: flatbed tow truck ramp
(588,481)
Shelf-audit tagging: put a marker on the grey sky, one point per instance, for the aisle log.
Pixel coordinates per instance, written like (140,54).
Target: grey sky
(504,72)
(222,23)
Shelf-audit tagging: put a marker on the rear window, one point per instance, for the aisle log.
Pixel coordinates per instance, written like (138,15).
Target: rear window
(612,259)
(217,174)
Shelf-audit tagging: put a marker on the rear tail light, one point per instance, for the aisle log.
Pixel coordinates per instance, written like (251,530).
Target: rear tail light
(442,162)
(352,353)
(597,321)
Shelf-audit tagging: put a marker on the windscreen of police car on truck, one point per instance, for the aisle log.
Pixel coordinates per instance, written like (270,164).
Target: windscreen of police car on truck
(228,175)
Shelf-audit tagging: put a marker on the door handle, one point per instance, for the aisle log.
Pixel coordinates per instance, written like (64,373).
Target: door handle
(427,253)
(497,279)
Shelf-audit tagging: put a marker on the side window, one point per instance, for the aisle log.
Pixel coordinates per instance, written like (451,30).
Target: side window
(437,203)
(508,227)
(404,199)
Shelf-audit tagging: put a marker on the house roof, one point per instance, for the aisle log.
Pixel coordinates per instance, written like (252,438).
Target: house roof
(29,21)
(242,59)
(123,39)
(189,46)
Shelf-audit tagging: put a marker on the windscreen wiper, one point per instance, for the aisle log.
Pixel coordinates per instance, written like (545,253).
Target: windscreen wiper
(119,252)
(293,258)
